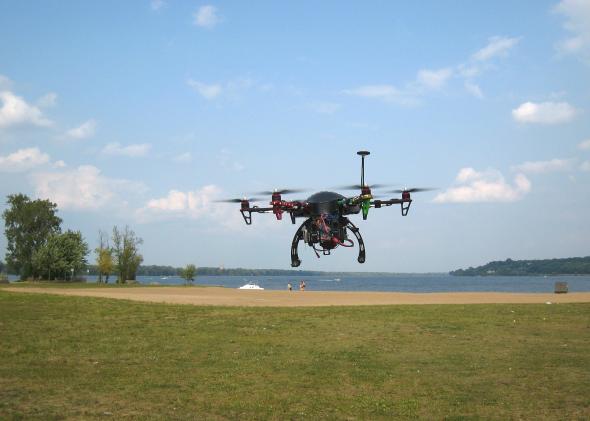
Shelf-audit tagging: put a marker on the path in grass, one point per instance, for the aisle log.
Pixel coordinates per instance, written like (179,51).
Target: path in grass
(89,358)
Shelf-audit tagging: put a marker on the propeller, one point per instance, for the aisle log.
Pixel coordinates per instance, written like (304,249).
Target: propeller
(414,190)
(254,199)
(282,191)
(358,186)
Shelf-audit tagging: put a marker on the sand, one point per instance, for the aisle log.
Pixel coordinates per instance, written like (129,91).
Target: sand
(251,298)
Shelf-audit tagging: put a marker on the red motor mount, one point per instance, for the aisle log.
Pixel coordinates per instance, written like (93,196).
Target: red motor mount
(276,203)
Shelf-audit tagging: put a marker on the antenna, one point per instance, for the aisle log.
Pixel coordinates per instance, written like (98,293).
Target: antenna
(363,154)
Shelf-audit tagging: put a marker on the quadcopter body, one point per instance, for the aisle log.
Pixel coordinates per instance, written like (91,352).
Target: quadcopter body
(326,225)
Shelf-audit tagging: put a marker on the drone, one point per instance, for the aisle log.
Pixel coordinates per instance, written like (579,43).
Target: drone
(326,214)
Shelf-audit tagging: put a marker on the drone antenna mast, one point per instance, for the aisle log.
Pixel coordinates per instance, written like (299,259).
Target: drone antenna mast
(363,154)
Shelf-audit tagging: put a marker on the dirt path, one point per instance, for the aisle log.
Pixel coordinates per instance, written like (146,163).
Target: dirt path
(234,297)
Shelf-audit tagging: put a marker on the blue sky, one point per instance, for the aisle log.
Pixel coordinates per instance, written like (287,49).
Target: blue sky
(145,112)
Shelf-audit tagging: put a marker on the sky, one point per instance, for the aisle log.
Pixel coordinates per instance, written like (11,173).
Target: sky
(144,113)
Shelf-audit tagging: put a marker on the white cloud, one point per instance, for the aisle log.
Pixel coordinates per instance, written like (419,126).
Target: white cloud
(473,89)
(82,188)
(481,60)
(428,80)
(585,145)
(206,91)
(115,148)
(59,164)
(192,204)
(541,167)
(16,112)
(5,83)
(23,160)
(325,107)
(487,186)
(469,70)
(48,100)
(83,131)
(156,5)
(585,166)
(497,47)
(387,93)
(577,22)
(544,112)
(434,79)
(232,89)
(183,157)
(206,17)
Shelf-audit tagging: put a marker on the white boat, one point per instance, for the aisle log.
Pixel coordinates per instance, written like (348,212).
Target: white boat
(250,285)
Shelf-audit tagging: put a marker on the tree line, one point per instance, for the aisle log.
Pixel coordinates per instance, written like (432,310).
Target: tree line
(37,248)
(509,267)
(167,270)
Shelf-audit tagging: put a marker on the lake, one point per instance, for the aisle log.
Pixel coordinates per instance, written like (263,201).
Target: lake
(401,283)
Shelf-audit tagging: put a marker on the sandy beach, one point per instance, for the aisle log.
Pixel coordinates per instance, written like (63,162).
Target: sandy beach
(233,297)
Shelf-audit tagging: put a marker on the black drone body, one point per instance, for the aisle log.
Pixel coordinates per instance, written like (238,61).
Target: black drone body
(326,225)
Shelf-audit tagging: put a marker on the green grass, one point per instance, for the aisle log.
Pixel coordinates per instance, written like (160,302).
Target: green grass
(90,358)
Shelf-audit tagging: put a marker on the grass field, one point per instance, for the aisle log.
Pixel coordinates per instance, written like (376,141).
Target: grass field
(90,358)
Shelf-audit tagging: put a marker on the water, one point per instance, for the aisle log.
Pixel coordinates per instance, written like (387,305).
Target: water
(401,283)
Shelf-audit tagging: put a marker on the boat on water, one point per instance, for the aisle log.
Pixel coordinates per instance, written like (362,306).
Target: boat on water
(251,285)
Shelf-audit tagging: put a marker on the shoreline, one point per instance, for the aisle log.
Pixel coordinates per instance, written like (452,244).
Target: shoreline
(220,296)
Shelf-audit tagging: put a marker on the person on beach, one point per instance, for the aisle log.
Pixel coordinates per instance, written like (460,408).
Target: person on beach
(300,285)
(289,286)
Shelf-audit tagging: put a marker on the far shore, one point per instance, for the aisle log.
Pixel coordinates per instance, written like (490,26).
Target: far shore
(219,296)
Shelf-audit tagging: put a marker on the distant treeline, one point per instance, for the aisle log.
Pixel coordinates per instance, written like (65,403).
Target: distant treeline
(509,267)
(158,270)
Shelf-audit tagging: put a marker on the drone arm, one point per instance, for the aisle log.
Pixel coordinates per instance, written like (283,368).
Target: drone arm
(295,210)
(247,213)
(405,204)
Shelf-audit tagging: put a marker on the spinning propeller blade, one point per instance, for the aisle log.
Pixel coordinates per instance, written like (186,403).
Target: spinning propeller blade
(358,186)
(282,191)
(253,199)
(414,190)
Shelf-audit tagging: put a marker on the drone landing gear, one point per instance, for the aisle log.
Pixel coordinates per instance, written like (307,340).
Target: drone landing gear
(357,234)
(299,235)
(406,207)
(247,215)
(295,262)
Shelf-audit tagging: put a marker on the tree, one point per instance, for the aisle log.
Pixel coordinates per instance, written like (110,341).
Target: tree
(46,260)
(104,257)
(105,264)
(28,224)
(188,273)
(62,256)
(126,253)
(2,266)
(73,251)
